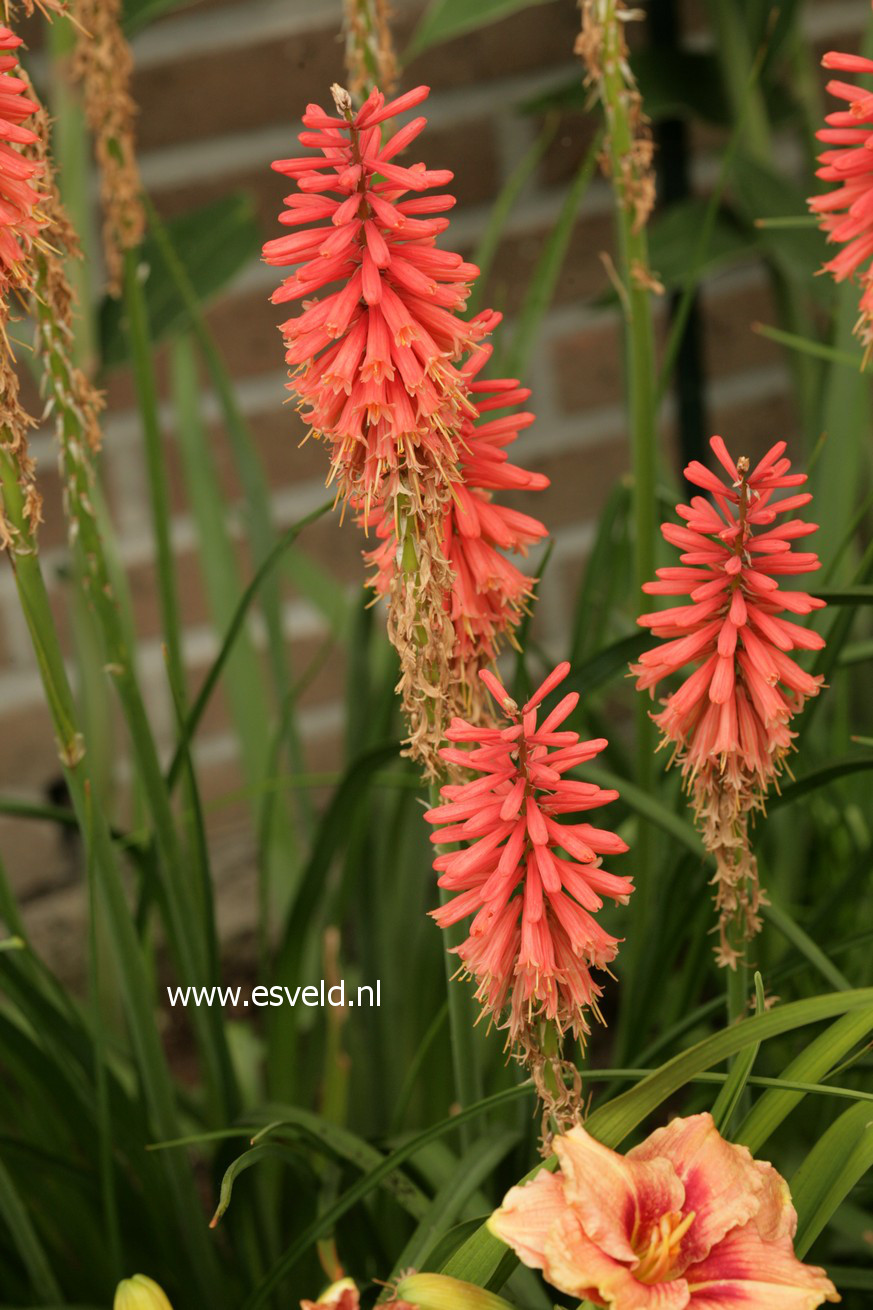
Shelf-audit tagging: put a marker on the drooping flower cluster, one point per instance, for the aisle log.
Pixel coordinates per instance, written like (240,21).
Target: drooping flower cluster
(685,1219)
(374,361)
(532,883)
(846,213)
(20,220)
(104,65)
(729,720)
(488,591)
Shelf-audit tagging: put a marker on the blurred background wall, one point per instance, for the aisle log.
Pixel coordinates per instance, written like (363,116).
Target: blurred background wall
(220,86)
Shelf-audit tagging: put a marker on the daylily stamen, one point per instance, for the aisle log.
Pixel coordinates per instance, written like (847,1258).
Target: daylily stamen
(663,1248)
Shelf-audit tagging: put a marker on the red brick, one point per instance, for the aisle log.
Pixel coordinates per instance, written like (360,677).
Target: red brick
(236,89)
(569,147)
(28,751)
(581,480)
(751,427)
(539,36)
(588,366)
(193,98)
(582,275)
(468,148)
(191,592)
(730,345)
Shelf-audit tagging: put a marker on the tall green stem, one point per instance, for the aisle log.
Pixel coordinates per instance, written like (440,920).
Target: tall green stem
(147,396)
(462,1014)
(621,106)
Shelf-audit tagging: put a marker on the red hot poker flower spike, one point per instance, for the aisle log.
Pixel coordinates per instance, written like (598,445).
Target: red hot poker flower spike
(372,358)
(729,720)
(532,883)
(846,212)
(19,220)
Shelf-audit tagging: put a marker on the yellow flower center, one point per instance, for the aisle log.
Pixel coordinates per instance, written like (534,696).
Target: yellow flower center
(658,1258)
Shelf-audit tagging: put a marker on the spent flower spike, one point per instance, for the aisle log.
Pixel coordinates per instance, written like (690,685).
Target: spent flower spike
(729,719)
(846,212)
(685,1219)
(532,883)
(373,361)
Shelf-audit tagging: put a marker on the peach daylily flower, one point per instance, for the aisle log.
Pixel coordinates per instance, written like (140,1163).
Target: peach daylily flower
(684,1219)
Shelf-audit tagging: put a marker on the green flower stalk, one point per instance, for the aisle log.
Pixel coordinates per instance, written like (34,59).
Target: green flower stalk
(627,159)
(370,56)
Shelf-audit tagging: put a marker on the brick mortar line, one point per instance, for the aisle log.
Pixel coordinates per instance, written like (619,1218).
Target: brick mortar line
(572,434)
(21,688)
(198,161)
(567,431)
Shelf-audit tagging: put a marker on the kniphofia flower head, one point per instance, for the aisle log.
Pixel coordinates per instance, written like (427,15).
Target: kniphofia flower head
(532,883)
(846,212)
(729,719)
(686,1219)
(19,199)
(373,352)
(488,591)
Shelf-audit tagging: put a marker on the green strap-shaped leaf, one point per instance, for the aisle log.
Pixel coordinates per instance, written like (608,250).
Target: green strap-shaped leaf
(345,1145)
(25,1239)
(729,1097)
(325,1222)
(813,1063)
(834,1165)
(477,1164)
(444,19)
(214,241)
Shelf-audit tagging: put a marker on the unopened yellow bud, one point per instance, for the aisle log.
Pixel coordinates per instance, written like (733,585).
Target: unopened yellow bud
(140,1293)
(439,1292)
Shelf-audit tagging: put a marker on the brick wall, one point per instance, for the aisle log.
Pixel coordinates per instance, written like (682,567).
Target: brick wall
(220,87)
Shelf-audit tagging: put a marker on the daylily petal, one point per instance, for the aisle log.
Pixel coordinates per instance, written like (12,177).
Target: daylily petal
(776,1220)
(576,1265)
(723,1186)
(744,1273)
(618,1200)
(527,1215)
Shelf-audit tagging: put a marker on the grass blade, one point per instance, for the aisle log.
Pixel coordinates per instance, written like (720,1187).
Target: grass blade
(834,1165)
